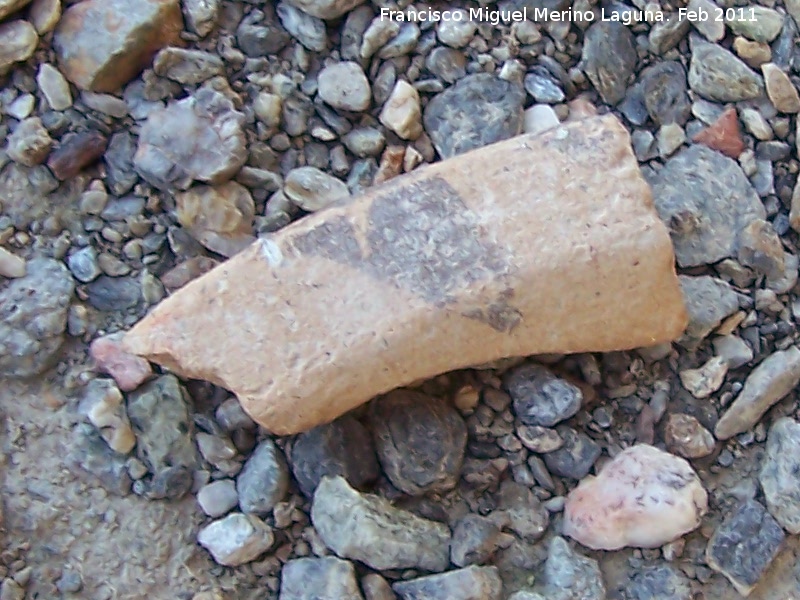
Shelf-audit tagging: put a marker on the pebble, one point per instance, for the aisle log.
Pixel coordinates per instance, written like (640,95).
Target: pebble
(218,497)
(326,9)
(744,545)
(104,63)
(525,595)
(118,159)
(231,416)
(754,54)
(11,265)
(712,29)
(260,33)
(105,103)
(312,189)
(768,383)
(569,575)
(475,540)
(539,118)
(219,217)
(369,529)
(670,137)
(707,379)
(199,137)
(401,113)
(159,414)
(470,583)
(90,455)
(377,34)
(708,301)
(542,86)
(704,225)
(111,294)
(447,64)
(376,587)
(33,317)
(420,441)
(539,439)
(343,447)
(128,370)
(103,405)
(758,23)
(540,397)
(75,152)
(643,498)
(365,141)
(733,349)
(756,124)
(401,44)
(780,89)
(344,86)
(760,248)
(575,457)
(189,67)
(724,135)
(44,14)
(524,513)
(19,40)
(327,578)
(685,436)
(717,75)
(306,29)
(236,539)
(657,582)
(11,590)
(778,474)
(458,31)
(8,7)
(665,35)
(264,479)
(83,264)
(478,110)
(609,59)
(54,87)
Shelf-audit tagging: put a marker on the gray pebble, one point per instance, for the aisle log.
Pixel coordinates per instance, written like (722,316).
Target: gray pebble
(264,479)
(575,458)
(83,264)
(716,74)
(309,31)
(327,578)
(114,293)
(471,583)
(609,59)
(540,397)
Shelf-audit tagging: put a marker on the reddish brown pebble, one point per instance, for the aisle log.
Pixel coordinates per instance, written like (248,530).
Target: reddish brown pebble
(128,370)
(544,243)
(724,135)
(76,152)
(391,164)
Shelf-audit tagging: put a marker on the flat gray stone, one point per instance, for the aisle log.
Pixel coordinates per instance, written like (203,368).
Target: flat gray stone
(471,583)
(327,578)
(569,575)
(717,74)
(609,59)
(264,479)
(779,473)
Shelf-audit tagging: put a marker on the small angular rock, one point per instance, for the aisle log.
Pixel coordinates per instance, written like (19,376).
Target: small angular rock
(420,441)
(575,457)
(75,152)
(54,87)
(401,113)
(369,529)
(30,143)
(312,189)
(685,436)
(541,398)
(19,40)
(326,9)
(609,59)
(237,539)
(707,379)
(776,376)
(724,135)
(90,456)
(128,370)
(327,578)
(717,75)
(188,67)
(134,31)
(103,405)
(344,86)
(264,479)
(471,583)
(708,301)
(780,89)
(569,575)
(659,582)
(744,545)
(475,539)
(10,6)
(778,475)
(643,498)
(218,497)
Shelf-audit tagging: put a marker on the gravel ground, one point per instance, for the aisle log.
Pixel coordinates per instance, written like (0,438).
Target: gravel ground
(148,140)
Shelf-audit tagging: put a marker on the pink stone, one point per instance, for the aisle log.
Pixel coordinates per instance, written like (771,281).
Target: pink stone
(724,135)
(644,498)
(128,370)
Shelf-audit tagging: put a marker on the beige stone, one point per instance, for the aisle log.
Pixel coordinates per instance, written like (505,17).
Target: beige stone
(537,244)
(9,6)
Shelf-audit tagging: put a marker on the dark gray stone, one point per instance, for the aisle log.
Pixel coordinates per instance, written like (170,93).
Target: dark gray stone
(25,192)
(708,301)
(343,447)
(264,479)
(259,33)
(475,539)
(705,200)
(369,529)
(448,64)
(575,458)
(401,44)
(33,317)
(526,515)
(633,107)
(744,545)
(660,582)
(309,31)
(159,415)
(664,89)
(420,441)
(90,456)
(327,578)
(716,74)
(478,110)
(471,583)
(609,59)
(114,293)
(120,174)
(779,472)
(540,397)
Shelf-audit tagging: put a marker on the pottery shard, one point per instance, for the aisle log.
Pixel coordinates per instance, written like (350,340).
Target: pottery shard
(432,271)
(724,135)
(103,44)
(643,498)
